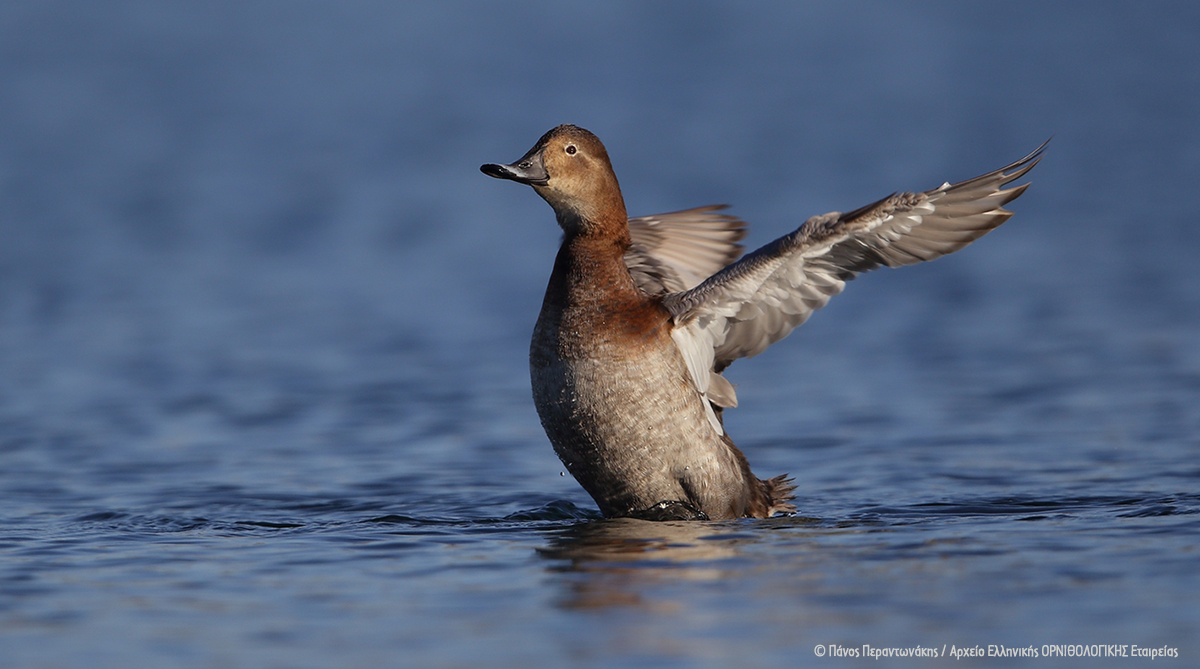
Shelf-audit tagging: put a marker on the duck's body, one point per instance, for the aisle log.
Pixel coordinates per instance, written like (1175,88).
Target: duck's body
(628,348)
(616,399)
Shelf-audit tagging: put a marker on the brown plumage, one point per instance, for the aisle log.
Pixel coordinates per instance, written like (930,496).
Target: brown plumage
(641,316)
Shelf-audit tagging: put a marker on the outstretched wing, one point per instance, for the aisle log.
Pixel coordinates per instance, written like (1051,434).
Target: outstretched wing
(757,301)
(674,252)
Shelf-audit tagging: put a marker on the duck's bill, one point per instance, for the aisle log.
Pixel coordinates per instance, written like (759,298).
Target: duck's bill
(528,170)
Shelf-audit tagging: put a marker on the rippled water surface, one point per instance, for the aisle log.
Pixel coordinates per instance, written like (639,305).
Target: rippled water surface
(263,327)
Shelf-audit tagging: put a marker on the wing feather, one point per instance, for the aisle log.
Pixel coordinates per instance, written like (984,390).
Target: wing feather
(676,251)
(749,305)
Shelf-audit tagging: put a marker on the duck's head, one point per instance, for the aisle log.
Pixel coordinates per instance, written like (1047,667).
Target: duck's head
(570,169)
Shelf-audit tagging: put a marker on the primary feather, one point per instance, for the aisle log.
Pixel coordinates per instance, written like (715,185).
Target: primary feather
(749,305)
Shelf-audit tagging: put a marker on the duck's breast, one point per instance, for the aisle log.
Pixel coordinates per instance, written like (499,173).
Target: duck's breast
(618,404)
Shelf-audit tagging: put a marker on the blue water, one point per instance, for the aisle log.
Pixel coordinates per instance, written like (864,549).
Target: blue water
(263,335)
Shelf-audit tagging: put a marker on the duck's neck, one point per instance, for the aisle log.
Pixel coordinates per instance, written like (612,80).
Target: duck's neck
(590,271)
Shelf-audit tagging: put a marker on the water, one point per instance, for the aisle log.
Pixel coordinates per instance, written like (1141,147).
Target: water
(263,326)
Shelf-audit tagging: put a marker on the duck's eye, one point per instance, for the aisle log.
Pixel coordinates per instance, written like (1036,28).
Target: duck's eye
(570,149)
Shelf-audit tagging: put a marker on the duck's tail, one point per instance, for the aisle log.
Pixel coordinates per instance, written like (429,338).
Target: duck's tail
(778,491)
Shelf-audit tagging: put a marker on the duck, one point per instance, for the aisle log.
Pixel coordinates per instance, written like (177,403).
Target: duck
(641,317)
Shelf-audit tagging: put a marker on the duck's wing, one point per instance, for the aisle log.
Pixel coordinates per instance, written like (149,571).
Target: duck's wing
(757,301)
(674,252)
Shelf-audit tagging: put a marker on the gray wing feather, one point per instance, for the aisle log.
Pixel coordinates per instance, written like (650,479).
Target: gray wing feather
(676,251)
(757,301)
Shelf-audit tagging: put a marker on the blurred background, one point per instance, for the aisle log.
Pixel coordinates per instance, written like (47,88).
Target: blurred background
(250,272)
(191,188)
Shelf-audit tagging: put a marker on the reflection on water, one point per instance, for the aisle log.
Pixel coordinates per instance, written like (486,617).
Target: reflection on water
(621,556)
(628,563)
